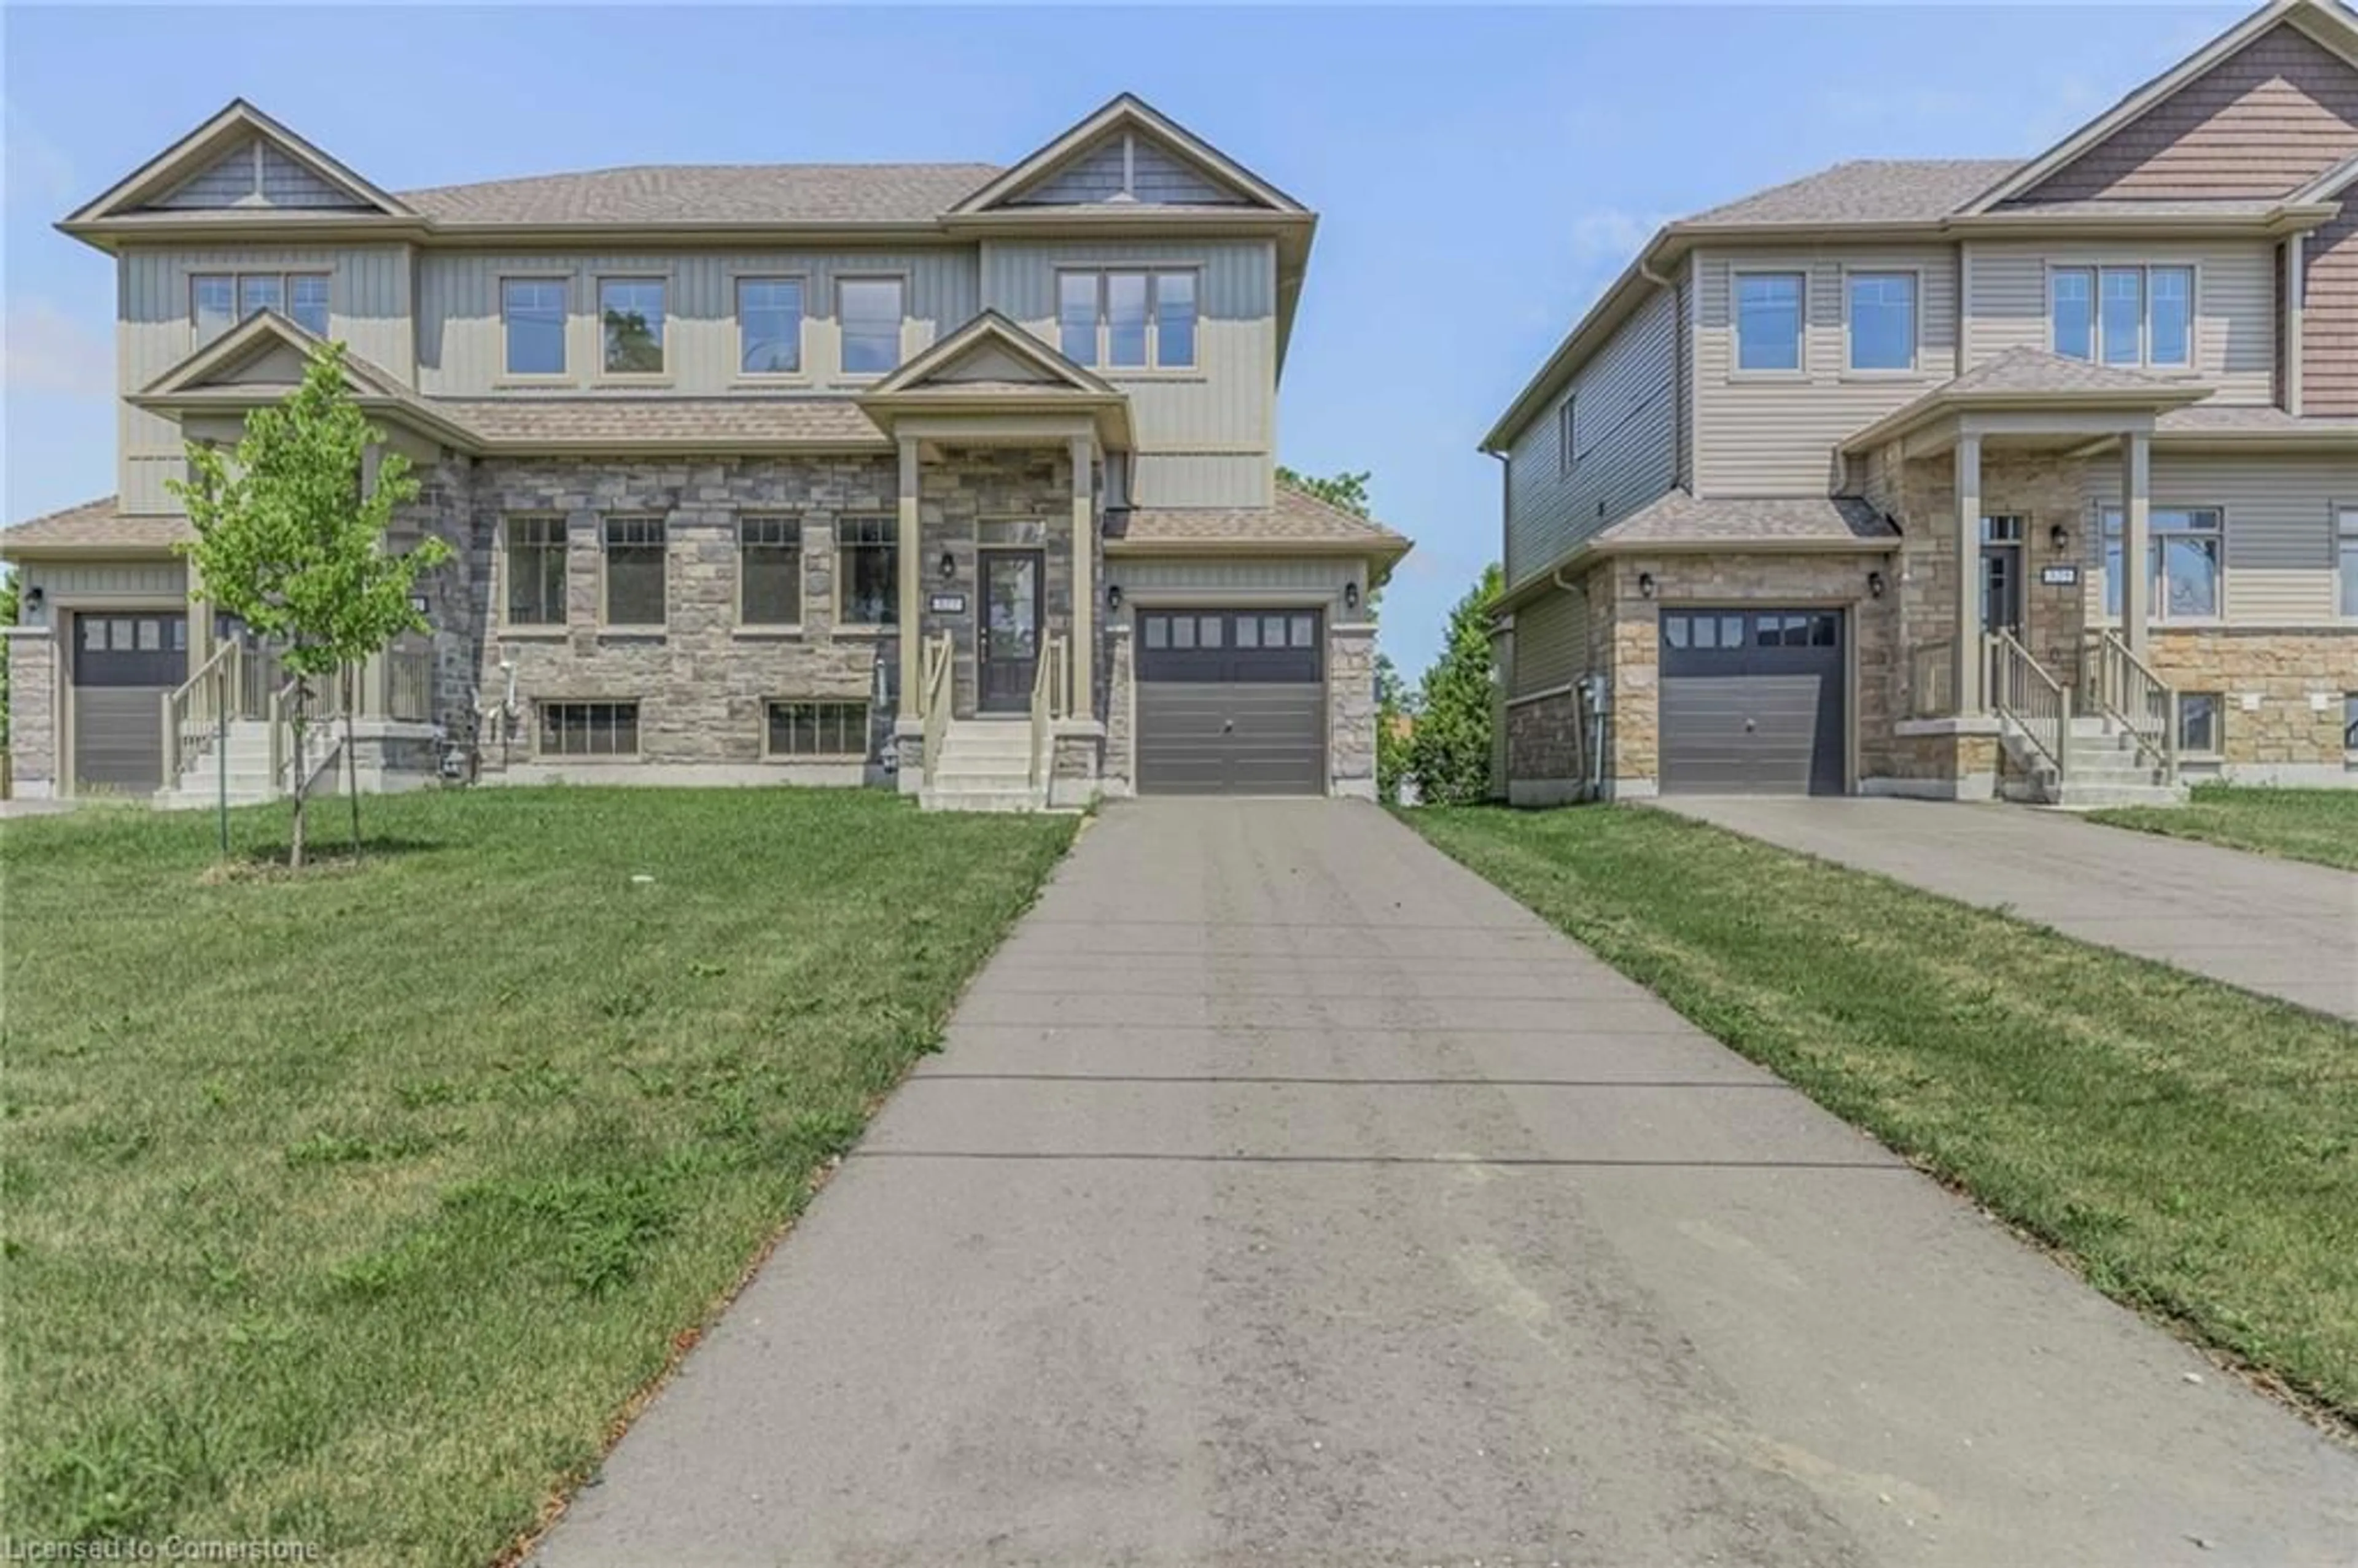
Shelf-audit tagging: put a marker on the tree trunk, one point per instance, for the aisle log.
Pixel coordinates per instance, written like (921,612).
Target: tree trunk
(302,778)
(351,765)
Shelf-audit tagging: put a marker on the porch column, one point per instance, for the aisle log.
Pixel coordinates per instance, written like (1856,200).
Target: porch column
(1085,603)
(2136,517)
(1971,659)
(912,632)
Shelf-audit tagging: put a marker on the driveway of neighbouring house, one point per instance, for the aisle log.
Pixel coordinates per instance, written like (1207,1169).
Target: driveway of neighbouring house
(1286,1194)
(2280,927)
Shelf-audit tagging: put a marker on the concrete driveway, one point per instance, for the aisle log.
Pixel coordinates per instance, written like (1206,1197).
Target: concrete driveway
(1287,1194)
(2280,927)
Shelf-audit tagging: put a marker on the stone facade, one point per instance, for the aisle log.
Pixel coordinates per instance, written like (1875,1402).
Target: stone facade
(976,498)
(1546,744)
(33,710)
(1121,712)
(702,680)
(1351,709)
(2282,695)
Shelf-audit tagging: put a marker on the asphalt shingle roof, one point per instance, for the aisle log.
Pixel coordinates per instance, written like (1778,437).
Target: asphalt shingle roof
(2030,371)
(1296,516)
(592,421)
(1680,518)
(1866,191)
(95,525)
(712,193)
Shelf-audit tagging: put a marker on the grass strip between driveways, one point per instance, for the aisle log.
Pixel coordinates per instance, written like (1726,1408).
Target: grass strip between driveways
(2192,1148)
(351,1210)
(2320,825)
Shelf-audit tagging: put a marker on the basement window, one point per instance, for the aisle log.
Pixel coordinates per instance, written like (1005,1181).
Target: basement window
(589,729)
(818,728)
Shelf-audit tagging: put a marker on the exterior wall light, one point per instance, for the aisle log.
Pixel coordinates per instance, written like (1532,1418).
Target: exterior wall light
(1874,585)
(35,597)
(1646,585)
(949,566)
(1113,596)
(1350,596)
(2060,538)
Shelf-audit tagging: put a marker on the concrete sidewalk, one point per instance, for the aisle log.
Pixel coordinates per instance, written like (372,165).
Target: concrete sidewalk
(2280,927)
(1288,1195)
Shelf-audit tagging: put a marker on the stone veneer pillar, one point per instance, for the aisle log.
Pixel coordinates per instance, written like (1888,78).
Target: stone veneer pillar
(2136,516)
(1969,663)
(911,642)
(1083,611)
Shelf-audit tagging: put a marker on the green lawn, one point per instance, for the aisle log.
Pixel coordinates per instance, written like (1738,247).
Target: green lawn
(353,1209)
(2319,825)
(2192,1147)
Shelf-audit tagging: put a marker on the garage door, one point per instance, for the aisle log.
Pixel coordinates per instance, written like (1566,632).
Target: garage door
(1752,702)
(123,666)
(1231,702)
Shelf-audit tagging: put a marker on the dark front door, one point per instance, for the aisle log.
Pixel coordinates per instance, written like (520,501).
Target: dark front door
(1011,629)
(2002,574)
(122,667)
(1752,702)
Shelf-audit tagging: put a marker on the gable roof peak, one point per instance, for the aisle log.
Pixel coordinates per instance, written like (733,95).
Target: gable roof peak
(225,129)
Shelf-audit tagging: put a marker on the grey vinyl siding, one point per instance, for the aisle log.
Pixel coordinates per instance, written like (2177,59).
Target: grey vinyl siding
(1157,177)
(1205,435)
(1626,451)
(462,345)
(2234,302)
(1683,368)
(255,174)
(2279,568)
(1550,643)
(1764,435)
(1308,576)
(95,579)
(368,309)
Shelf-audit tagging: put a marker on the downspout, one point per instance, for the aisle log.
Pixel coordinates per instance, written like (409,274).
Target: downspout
(2295,286)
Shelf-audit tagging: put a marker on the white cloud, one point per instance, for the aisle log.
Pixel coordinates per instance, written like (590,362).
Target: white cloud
(44,349)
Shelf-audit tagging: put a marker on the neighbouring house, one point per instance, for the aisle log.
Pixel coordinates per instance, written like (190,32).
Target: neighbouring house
(2035,477)
(951,475)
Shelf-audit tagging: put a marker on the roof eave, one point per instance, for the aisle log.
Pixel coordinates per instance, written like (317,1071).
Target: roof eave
(1385,546)
(37,551)
(1937,406)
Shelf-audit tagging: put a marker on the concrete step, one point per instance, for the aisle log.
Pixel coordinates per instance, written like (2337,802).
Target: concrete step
(980,800)
(2077,794)
(946,777)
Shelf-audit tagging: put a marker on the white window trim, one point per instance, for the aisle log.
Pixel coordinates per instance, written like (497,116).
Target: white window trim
(563,377)
(800,375)
(597,323)
(900,355)
(1735,366)
(2345,528)
(1153,369)
(1567,434)
(1914,369)
(2095,269)
(2158,608)
(751,628)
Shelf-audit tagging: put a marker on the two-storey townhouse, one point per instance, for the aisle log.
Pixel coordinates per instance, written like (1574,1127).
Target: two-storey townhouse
(1954,478)
(956,475)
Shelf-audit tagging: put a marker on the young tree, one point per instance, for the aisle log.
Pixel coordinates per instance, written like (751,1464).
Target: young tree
(1394,724)
(1348,490)
(1449,754)
(291,541)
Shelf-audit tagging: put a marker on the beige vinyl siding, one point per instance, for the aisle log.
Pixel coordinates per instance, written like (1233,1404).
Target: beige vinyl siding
(1626,453)
(1761,435)
(1205,435)
(2234,302)
(1682,369)
(2329,336)
(368,309)
(2279,554)
(462,342)
(99,579)
(2272,115)
(1550,643)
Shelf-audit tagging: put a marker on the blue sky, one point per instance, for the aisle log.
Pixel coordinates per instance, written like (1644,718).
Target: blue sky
(1481,174)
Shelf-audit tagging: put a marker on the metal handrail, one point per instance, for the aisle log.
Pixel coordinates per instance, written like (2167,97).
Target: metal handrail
(934,698)
(2035,702)
(2125,689)
(1932,679)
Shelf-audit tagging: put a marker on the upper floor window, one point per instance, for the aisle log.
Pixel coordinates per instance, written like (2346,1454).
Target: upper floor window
(2124,315)
(532,310)
(631,309)
(1882,321)
(219,300)
(1127,320)
(1567,434)
(1769,309)
(2182,557)
(769,326)
(870,310)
